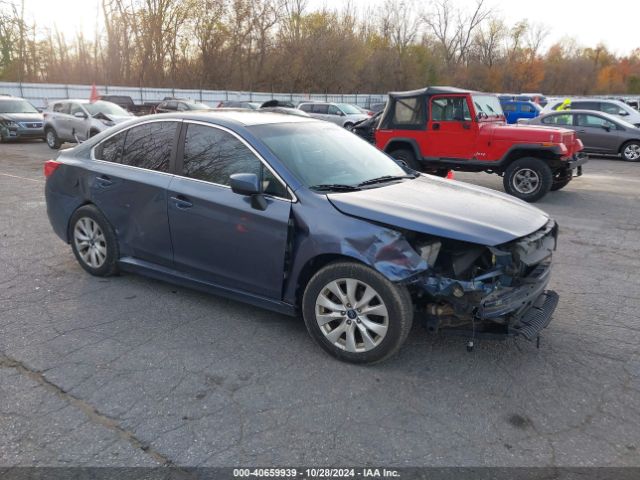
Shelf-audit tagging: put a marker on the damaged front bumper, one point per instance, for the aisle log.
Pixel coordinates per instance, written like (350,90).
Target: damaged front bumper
(511,300)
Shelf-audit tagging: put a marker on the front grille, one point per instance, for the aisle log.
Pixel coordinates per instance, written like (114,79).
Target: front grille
(31,124)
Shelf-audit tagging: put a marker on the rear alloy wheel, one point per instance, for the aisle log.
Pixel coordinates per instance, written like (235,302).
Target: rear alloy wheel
(355,313)
(93,241)
(51,137)
(631,151)
(528,179)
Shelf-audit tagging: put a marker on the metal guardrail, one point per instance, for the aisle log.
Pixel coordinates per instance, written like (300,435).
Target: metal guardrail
(40,94)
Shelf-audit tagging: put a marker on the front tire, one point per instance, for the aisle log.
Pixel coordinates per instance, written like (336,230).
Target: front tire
(528,179)
(51,137)
(355,313)
(631,151)
(93,241)
(561,179)
(348,126)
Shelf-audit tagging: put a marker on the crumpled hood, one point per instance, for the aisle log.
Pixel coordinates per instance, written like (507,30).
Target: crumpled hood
(22,117)
(113,118)
(444,208)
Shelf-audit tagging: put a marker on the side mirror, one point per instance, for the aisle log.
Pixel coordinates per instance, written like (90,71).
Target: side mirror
(248,184)
(80,115)
(607,128)
(623,113)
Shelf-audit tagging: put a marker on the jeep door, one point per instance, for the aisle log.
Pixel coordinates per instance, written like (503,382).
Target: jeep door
(451,130)
(218,236)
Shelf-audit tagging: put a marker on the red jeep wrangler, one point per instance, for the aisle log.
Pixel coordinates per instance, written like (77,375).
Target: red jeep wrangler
(437,129)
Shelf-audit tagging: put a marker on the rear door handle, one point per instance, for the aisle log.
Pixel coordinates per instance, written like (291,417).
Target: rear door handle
(104,181)
(181,202)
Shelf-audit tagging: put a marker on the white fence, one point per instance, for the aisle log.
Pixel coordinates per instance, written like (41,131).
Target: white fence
(40,94)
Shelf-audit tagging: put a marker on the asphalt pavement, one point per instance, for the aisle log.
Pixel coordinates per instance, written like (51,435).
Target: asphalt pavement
(128,371)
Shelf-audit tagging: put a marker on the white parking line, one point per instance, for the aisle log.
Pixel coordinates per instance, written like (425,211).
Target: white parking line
(22,178)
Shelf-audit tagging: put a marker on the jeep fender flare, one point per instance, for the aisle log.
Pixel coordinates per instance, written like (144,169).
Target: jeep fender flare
(400,142)
(543,152)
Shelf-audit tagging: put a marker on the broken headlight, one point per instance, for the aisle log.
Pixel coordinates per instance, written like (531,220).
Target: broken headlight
(429,250)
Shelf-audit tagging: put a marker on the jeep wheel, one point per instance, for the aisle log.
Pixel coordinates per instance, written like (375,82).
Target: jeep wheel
(631,151)
(355,313)
(406,156)
(528,179)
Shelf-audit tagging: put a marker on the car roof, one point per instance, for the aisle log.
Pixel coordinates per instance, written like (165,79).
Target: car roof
(239,117)
(429,91)
(597,113)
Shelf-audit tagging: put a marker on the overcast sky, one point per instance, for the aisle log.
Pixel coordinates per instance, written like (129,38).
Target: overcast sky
(616,23)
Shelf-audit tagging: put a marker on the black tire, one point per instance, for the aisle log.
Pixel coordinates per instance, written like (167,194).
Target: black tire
(348,126)
(561,179)
(629,151)
(52,139)
(108,241)
(540,179)
(407,156)
(395,299)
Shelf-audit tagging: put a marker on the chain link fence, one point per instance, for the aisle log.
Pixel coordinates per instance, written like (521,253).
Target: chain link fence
(41,94)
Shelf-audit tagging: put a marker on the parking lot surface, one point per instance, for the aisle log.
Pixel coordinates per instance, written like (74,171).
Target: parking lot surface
(128,371)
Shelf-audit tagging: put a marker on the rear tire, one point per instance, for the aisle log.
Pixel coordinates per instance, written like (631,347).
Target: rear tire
(93,241)
(528,179)
(407,156)
(51,137)
(338,321)
(348,126)
(630,151)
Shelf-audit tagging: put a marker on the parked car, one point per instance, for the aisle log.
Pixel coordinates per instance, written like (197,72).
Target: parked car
(537,98)
(363,110)
(612,107)
(516,110)
(599,132)
(301,216)
(441,128)
(366,129)
(377,107)
(126,102)
(78,120)
(19,119)
(239,104)
(341,114)
(278,103)
(180,106)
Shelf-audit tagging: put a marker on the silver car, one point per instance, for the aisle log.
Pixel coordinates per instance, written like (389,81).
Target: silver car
(341,114)
(77,120)
(600,132)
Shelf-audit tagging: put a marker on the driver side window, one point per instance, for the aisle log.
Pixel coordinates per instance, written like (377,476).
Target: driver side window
(450,109)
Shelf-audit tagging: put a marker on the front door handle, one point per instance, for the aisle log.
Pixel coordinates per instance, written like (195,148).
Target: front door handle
(436,126)
(104,181)
(181,202)
(466,126)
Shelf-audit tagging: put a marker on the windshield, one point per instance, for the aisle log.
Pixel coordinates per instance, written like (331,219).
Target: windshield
(106,108)
(348,109)
(16,106)
(320,153)
(488,105)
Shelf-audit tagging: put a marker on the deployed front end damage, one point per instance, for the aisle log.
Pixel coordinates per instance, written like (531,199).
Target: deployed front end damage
(487,290)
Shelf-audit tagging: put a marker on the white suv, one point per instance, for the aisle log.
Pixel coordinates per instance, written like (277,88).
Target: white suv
(77,120)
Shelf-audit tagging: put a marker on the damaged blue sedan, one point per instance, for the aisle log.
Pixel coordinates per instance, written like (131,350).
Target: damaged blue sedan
(302,217)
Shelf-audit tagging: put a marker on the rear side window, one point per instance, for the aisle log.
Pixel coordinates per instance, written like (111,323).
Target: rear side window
(307,107)
(149,146)
(509,107)
(563,119)
(213,155)
(320,108)
(409,113)
(111,149)
(61,108)
(585,105)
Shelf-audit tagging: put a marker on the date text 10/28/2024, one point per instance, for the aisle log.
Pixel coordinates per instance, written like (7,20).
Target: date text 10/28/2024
(315,473)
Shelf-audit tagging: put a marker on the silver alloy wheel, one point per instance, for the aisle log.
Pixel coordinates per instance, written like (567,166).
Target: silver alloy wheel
(632,152)
(526,181)
(51,138)
(352,315)
(90,242)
